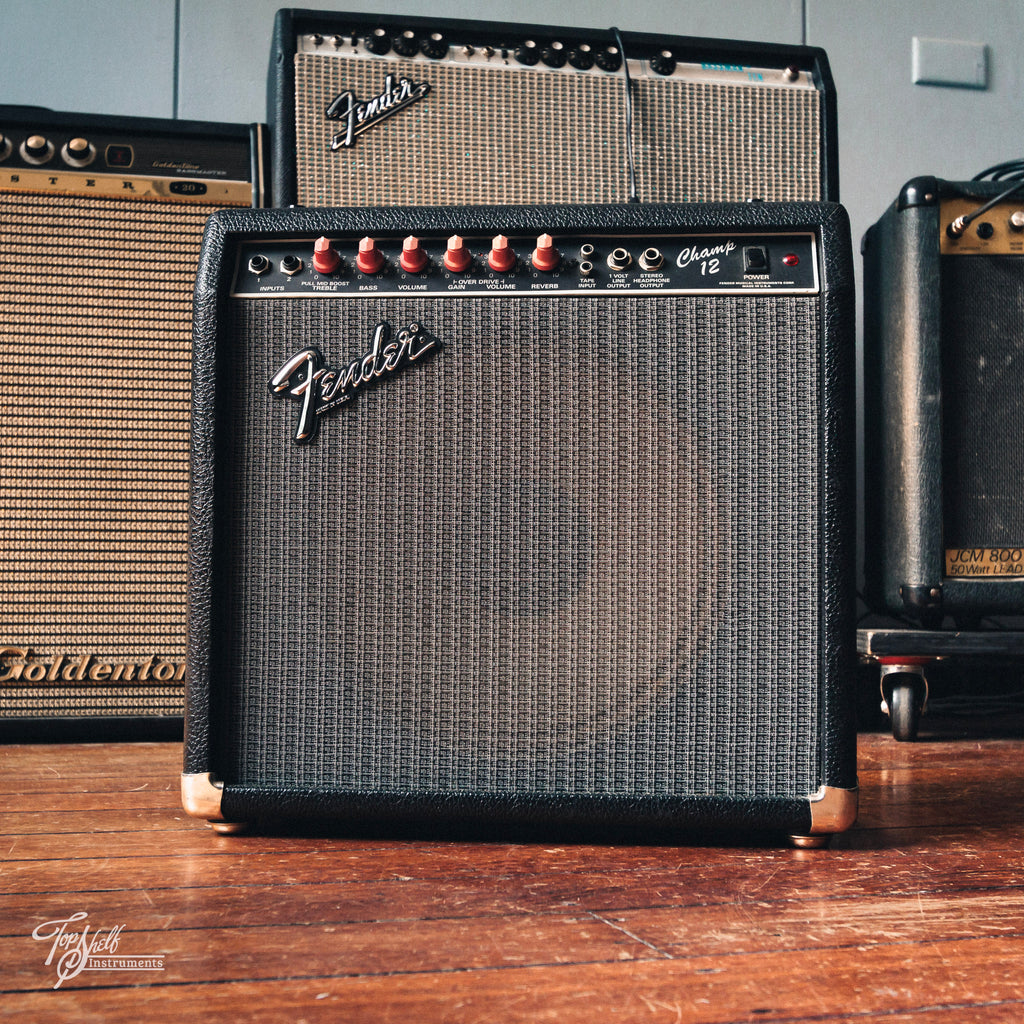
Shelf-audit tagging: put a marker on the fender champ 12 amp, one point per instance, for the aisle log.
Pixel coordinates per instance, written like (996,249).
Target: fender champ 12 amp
(370,110)
(523,515)
(944,380)
(101,220)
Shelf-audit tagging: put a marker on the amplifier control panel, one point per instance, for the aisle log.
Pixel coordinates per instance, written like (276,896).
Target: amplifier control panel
(998,231)
(696,60)
(580,264)
(80,147)
(97,156)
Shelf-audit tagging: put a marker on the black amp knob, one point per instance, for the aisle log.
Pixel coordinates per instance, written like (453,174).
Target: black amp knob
(663,63)
(406,44)
(435,46)
(608,59)
(377,42)
(78,152)
(37,149)
(554,55)
(527,52)
(581,57)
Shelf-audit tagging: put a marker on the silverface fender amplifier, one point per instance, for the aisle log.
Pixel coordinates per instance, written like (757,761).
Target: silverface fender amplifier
(523,515)
(101,220)
(944,379)
(370,110)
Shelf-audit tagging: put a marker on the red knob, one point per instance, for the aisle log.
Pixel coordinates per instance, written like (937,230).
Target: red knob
(369,259)
(413,258)
(325,256)
(546,256)
(501,257)
(457,257)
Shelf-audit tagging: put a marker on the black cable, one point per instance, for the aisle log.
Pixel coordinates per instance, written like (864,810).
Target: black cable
(633,197)
(1010,170)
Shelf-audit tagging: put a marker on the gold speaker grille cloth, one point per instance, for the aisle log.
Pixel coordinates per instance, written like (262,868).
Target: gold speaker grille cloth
(575,551)
(94,419)
(487,135)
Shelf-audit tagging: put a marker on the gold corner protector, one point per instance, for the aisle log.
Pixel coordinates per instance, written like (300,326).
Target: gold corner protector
(201,795)
(832,810)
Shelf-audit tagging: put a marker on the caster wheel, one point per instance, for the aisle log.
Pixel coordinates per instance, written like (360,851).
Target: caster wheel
(905,705)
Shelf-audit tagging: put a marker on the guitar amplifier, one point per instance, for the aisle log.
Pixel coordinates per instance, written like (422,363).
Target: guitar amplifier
(944,437)
(372,110)
(523,515)
(102,219)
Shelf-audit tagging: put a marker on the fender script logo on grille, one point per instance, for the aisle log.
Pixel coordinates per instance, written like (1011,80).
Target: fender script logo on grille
(357,117)
(320,388)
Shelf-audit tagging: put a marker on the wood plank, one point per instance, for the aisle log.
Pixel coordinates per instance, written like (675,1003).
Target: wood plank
(443,945)
(90,760)
(37,809)
(247,904)
(159,861)
(806,985)
(838,922)
(481,940)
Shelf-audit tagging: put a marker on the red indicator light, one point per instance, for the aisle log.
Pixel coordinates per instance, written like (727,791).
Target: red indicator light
(791,259)
(120,156)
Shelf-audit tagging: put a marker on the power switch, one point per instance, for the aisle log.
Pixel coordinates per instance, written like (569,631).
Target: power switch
(755,259)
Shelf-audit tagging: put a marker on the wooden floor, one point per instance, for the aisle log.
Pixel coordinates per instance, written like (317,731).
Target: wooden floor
(915,915)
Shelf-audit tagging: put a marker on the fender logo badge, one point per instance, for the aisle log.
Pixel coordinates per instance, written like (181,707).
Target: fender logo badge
(321,389)
(357,117)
